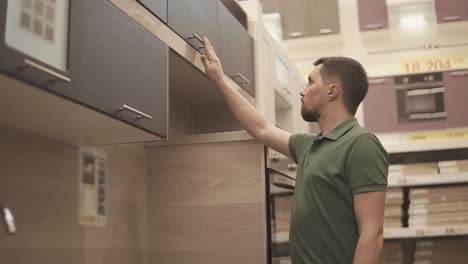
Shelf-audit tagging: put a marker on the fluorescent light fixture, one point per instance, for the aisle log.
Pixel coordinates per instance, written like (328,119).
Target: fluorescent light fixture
(412,22)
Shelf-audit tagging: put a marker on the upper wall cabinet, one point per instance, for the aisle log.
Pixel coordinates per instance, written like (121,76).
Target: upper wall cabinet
(456,93)
(120,68)
(34,43)
(451,10)
(324,17)
(157,7)
(192,20)
(372,14)
(380,106)
(309,18)
(236,50)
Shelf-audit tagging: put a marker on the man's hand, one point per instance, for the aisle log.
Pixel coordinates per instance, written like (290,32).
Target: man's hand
(211,62)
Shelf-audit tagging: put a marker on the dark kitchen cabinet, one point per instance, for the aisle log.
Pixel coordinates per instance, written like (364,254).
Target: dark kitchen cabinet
(324,17)
(25,47)
(157,7)
(451,10)
(456,94)
(236,50)
(192,20)
(372,14)
(119,68)
(380,107)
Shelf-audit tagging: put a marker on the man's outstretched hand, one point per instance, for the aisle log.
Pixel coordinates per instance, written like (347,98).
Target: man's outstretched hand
(211,62)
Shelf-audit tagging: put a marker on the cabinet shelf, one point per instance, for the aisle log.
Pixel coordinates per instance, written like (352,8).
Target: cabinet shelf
(401,233)
(444,231)
(430,179)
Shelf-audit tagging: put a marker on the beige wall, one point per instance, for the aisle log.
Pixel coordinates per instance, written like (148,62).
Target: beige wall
(39,183)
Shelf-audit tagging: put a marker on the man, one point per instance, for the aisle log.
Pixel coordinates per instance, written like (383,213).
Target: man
(339,199)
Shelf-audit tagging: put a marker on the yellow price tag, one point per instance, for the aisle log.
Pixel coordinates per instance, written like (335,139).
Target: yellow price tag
(444,135)
(433,63)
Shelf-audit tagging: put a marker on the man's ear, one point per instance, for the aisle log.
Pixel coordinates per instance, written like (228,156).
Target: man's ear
(333,91)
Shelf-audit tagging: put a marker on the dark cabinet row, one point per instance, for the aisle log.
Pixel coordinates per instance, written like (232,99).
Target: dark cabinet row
(192,20)
(114,65)
(373,13)
(417,102)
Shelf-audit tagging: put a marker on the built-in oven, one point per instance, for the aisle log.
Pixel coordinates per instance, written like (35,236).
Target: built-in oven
(281,177)
(420,97)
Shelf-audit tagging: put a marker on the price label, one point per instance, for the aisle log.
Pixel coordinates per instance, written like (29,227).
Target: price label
(433,63)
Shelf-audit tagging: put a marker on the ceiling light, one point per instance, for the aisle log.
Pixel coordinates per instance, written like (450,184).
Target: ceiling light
(412,22)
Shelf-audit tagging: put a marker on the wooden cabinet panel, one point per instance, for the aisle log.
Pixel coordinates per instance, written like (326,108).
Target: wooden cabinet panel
(372,14)
(456,94)
(199,17)
(380,106)
(324,17)
(157,7)
(117,62)
(237,59)
(451,10)
(293,20)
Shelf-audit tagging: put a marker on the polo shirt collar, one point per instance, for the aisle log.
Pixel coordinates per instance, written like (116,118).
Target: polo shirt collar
(340,129)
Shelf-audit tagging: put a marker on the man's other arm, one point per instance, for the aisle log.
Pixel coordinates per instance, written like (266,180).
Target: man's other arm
(369,209)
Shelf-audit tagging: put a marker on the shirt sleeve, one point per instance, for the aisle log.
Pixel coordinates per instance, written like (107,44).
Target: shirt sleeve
(367,165)
(298,145)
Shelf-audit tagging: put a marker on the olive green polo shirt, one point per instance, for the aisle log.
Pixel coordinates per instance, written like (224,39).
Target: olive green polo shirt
(331,169)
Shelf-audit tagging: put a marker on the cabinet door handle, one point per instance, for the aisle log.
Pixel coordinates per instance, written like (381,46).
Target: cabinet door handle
(425,91)
(373,26)
(239,75)
(43,69)
(197,38)
(133,110)
(459,73)
(377,81)
(9,220)
(325,31)
(451,18)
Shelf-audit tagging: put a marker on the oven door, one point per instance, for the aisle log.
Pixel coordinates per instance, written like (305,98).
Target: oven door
(421,103)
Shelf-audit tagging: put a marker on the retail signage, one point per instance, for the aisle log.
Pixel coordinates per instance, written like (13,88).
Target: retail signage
(442,135)
(433,63)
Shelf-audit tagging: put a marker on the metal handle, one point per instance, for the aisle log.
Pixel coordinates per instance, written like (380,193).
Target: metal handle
(9,220)
(325,31)
(43,69)
(459,73)
(244,80)
(451,18)
(373,26)
(425,91)
(275,157)
(284,185)
(292,166)
(428,115)
(377,81)
(133,110)
(198,38)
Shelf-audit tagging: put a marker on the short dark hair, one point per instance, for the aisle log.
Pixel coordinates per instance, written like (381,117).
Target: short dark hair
(350,74)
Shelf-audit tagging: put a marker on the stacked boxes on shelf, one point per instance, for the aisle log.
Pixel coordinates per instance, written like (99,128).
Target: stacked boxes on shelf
(451,251)
(453,166)
(393,208)
(399,172)
(392,253)
(438,206)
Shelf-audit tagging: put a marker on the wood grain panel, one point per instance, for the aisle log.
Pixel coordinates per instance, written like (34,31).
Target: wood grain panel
(204,174)
(39,183)
(207,234)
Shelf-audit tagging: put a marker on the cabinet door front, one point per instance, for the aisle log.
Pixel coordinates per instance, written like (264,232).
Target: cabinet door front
(451,10)
(34,42)
(120,67)
(236,50)
(380,111)
(372,14)
(456,94)
(157,7)
(193,19)
(324,17)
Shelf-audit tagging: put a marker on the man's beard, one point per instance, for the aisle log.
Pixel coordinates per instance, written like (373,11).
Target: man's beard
(309,116)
